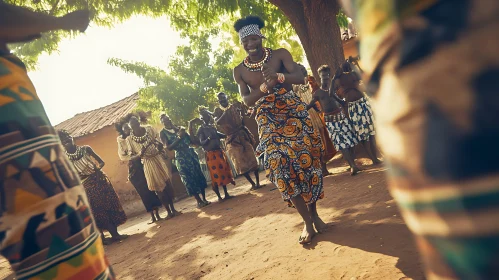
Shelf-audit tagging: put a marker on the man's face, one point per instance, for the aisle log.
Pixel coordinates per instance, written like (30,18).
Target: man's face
(67,142)
(325,78)
(166,121)
(134,123)
(126,129)
(222,99)
(253,45)
(205,116)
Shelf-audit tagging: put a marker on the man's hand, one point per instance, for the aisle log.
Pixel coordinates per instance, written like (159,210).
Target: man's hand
(77,20)
(181,132)
(269,75)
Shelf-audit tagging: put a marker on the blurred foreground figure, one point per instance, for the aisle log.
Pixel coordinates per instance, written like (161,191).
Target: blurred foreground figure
(432,69)
(46,227)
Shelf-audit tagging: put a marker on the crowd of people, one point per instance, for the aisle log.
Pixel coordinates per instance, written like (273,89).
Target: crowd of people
(55,204)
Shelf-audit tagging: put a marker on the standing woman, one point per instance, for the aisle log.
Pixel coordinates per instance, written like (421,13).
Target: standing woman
(136,173)
(187,161)
(104,201)
(143,143)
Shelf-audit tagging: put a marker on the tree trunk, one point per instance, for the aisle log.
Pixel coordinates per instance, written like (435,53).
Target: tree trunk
(315,24)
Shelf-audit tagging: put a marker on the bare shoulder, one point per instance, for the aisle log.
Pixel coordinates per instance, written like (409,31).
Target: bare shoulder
(281,51)
(238,68)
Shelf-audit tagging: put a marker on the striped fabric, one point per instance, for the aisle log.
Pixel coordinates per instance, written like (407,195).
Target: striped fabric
(433,71)
(46,227)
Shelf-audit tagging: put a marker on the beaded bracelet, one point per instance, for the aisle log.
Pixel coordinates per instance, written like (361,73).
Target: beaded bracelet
(280,78)
(263,87)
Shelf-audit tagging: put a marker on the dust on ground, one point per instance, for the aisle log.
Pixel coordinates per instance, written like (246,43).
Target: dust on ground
(255,236)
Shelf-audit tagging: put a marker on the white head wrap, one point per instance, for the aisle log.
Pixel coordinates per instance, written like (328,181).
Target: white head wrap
(248,30)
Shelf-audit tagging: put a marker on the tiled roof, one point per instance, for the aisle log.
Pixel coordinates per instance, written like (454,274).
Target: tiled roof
(91,121)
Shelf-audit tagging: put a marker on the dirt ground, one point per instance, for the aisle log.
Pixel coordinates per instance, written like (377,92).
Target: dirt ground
(255,236)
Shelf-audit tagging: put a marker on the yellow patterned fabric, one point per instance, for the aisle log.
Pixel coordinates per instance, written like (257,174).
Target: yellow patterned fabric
(432,71)
(46,227)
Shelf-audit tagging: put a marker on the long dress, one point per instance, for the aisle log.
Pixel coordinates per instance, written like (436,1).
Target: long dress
(187,162)
(239,142)
(102,197)
(156,168)
(137,177)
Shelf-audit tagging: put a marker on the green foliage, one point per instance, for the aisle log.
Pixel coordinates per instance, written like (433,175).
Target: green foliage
(342,19)
(185,15)
(196,73)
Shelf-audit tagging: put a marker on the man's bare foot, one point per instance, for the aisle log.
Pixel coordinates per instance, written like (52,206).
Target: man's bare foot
(319,224)
(206,202)
(220,199)
(119,237)
(228,196)
(107,241)
(169,216)
(177,213)
(354,171)
(377,162)
(202,204)
(152,221)
(326,173)
(306,235)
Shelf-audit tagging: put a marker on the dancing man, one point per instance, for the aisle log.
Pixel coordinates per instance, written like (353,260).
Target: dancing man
(136,174)
(346,86)
(104,201)
(239,142)
(43,202)
(305,92)
(144,144)
(290,146)
(339,126)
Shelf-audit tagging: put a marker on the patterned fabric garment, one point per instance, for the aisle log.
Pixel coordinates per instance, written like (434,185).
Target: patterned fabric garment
(137,177)
(361,116)
(239,142)
(305,94)
(157,170)
(341,131)
(106,205)
(187,163)
(46,227)
(290,146)
(435,101)
(221,174)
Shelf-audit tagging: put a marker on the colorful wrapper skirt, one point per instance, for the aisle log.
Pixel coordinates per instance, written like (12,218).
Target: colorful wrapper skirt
(104,201)
(361,116)
(291,147)
(220,171)
(341,131)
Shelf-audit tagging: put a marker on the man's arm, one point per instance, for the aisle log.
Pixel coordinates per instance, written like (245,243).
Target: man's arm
(294,75)
(313,103)
(19,24)
(332,94)
(250,96)
(221,135)
(99,160)
(202,137)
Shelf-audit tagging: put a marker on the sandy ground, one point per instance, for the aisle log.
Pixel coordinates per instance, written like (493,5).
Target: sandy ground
(255,236)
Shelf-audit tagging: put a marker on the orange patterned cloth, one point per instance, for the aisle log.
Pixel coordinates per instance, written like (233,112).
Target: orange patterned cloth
(290,146)
(221,174)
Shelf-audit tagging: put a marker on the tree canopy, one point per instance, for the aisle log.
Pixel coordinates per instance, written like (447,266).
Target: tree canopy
(195,74)
(187,16)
